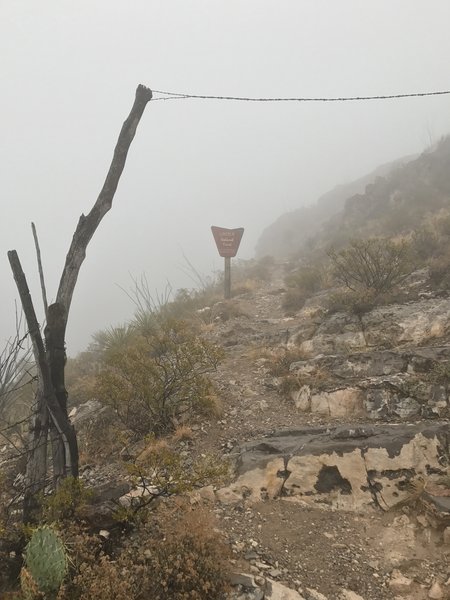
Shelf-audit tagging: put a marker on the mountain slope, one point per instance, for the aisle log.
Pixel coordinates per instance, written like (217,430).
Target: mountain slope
(292,230)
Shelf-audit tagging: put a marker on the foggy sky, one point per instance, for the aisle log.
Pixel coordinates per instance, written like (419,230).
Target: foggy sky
(69,72)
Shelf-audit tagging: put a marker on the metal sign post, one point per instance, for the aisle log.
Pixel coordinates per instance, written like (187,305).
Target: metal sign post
(227,242)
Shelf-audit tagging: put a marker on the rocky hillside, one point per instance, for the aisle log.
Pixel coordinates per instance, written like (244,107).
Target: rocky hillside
(339,428)
(292,230)
(322,471)
(336,427)
(400,202)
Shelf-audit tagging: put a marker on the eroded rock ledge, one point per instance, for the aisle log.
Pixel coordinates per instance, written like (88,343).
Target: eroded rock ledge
(350,467)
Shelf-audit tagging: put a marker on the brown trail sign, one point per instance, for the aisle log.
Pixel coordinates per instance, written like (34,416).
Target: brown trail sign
(227,242)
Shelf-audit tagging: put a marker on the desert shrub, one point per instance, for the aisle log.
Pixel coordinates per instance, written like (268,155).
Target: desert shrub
(159,377)
(278,363)
(309,279)
(440,271)
(293,300)
(375,264)
(354,302)
(104,580)
(189,563)
(66,502)
(288,384)
(424,243)
(93,575)
(161,471)
(178,555)
(17,375)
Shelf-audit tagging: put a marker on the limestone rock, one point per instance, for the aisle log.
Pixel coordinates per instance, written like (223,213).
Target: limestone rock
(278,591)
(351,464)
(314,595)
(399,584)
(346,402)
(435,592)
(349,595)
(446,535)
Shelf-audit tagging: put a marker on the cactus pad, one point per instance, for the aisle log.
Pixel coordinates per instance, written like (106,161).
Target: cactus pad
(46,560)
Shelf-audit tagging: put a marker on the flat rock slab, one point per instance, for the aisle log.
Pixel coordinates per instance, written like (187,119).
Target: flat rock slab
(350,466)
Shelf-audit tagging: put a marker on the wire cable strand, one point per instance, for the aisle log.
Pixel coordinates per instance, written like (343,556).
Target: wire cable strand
(184,96)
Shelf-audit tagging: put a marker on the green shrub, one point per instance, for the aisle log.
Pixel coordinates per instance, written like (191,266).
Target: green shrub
(161,471)
(375,264)
(65,503)
(159,377)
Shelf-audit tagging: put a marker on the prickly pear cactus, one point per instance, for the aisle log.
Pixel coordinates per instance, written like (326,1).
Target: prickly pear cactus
(46,560)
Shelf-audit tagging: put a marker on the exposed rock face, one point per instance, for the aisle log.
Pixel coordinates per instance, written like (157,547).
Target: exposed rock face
(349,467)
(416,323)
(388,363)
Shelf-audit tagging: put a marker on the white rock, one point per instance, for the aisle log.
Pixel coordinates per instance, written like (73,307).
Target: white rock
(277,591)
(435,591)
(399,584)
(314,595)
(446,535)
(349,595)
(104,533)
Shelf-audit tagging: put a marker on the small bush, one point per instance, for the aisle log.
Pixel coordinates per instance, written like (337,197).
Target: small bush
(424,243)
(374,265)
(440,272)
(178,555)
(159,377)
(104,580)
(280,362)
(66,502)
(190,563)
(161,470)
(309,279)
(288,384)
(356,303)
(294,300)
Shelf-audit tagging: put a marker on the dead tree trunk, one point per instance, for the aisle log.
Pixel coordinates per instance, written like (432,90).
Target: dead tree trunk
(51,358)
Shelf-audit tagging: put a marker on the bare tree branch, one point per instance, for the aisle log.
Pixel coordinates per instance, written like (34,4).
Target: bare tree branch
(87,225)
(41,271)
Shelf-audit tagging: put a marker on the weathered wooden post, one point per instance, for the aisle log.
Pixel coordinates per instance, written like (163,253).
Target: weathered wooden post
(227,242)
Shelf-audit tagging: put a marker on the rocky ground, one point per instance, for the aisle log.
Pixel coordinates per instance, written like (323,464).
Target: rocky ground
(340,486)
(319,549)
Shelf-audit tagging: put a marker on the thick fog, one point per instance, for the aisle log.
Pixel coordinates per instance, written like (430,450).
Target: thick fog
(69,73)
